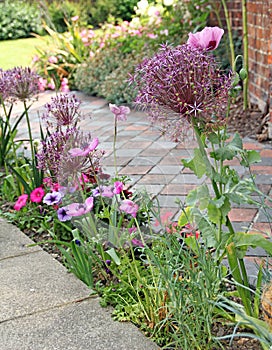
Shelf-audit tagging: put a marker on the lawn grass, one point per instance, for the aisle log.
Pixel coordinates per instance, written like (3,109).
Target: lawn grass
(18,52)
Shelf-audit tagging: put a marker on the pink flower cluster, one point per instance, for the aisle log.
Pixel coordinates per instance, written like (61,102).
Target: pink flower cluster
(36,196)
(170,227)
(43,84)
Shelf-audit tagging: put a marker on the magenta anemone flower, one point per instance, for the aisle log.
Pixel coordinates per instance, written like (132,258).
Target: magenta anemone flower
(129,207)
(21,202)
(209,38)
(37,195)
(120,112)
(78,152)
(181,83)
(118,187)
(52,198)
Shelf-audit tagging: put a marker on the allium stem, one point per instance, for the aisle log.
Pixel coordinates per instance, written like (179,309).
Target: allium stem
(30,135)
(114,146)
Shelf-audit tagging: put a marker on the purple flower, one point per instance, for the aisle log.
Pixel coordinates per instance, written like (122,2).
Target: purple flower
(120,112)
(209,38)
(78,152)
(19,83)
(181,83)
(62,214)
(63,110)
(129,207)
(52,198)
(95,192)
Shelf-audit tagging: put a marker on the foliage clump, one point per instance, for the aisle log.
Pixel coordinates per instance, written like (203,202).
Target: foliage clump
(19,19)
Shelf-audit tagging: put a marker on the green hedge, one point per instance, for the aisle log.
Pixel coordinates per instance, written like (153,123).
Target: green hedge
(19,19)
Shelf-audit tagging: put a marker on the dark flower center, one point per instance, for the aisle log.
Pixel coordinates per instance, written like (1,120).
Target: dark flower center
(212,45)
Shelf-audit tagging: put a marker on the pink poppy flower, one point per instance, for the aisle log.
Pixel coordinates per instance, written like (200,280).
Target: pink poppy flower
(120,112)
(37,195)
(78,152)
(21,202)
(75,18)
(129,207)
(209,38)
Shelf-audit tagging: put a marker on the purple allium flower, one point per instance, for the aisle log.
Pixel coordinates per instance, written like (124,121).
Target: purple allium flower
(23,85)
(62,215)
(209,38)
(78,152)
(52,198)
(63,110)
(49,157)
(18,84)
(179,83)
(129,207)
(120,112)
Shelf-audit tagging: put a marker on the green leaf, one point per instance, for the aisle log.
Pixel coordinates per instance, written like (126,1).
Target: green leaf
(219,209)
(251,157)
(200,196)
(242,239)
(196,164)
(112,253)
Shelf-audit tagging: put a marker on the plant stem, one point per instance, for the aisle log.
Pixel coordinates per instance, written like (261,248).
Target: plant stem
(245,53)
(30,135)
(231,44)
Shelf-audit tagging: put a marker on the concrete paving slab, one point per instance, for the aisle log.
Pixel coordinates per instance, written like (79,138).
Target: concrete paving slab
(78,326)
(36,282)
(13,242)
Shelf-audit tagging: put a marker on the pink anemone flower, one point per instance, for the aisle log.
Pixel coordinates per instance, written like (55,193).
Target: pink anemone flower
(129,207)
(120,112)
(78,152)
(209,38)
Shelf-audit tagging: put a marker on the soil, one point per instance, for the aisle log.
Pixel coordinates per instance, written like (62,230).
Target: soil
(249,123)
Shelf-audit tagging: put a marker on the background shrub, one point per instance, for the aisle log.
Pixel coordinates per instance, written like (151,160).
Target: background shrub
(115,87)
(92,73)
(19,19)
(58,13)
(101,10)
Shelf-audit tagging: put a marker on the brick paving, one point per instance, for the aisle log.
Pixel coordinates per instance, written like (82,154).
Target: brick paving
(152,161)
